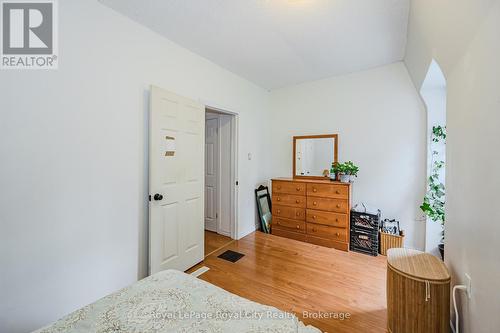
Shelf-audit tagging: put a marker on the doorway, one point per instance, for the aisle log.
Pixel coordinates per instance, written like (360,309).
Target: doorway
(433,92)
(220,179)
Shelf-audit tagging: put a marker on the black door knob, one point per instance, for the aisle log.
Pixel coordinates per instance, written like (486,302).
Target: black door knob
(158,197)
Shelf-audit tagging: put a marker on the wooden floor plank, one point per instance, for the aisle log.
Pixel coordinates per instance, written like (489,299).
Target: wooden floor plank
(296,277)
(215,241)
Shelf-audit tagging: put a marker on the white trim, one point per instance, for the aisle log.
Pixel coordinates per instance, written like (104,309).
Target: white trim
(219,110)
(234,174)
(200,271)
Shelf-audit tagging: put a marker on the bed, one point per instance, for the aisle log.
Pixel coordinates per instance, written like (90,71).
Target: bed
(172,301)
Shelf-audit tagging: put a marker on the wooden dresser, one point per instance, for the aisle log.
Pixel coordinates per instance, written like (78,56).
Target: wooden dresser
(313,211)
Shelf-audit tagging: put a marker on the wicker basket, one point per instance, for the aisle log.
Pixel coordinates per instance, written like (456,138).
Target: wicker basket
(388,241)
(418,293)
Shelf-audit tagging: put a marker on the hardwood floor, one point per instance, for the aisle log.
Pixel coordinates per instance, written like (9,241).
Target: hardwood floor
(214,241)
(299,277)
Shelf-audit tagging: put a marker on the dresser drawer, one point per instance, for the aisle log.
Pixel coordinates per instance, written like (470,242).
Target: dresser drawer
(329,205)
(277,231)
(323,231)
(289,188)
(328,190)
(328,243)
(291,225)
(298,201)
(289,212)
(327,218)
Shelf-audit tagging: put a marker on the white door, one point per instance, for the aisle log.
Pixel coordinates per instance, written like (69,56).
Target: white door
(176,145)
(211,172)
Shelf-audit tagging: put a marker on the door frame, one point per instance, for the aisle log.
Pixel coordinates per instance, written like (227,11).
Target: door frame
(234,168)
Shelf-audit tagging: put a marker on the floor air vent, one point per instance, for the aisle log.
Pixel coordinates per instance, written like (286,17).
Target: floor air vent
(231,256)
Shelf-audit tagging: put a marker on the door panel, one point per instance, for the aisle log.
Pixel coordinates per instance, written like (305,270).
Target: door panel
(176,176)
(210,203)
(193,206)
(170,230)
(168,178)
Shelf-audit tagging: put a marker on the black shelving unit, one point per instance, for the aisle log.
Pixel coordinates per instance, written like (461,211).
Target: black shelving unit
(364,232)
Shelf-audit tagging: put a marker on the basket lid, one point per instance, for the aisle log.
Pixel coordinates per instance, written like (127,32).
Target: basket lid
(417,264)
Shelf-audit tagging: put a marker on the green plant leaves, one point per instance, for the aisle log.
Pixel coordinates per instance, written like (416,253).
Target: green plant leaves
(347,168)
(434,200)
(438,133)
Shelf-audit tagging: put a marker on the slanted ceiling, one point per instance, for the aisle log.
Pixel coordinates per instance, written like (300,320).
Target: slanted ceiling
(277,43)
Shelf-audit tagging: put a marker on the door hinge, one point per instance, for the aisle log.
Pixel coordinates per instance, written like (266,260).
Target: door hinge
(150,197)
(237,183)
(216,215)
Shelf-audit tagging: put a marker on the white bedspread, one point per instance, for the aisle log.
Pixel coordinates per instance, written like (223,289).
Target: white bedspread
(172,301)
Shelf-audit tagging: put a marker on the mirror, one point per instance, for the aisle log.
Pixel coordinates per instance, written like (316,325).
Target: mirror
(313,155)
(264,208)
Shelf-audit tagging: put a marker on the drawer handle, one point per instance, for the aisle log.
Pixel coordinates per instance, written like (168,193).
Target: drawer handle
(279,187)
(279,199)
(298,189)
(337,192)
(278,223)
(336,220)
(337,234)
(314,229)
(298,213)
(315,190)
(315,203)
(298,226)
(297,201)
(338,206)
(314,217)
(279,211)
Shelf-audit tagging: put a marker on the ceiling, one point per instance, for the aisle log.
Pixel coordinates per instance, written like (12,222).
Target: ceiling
(277,43)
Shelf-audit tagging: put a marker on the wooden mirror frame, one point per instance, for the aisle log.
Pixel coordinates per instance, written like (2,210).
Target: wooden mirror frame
(324,136)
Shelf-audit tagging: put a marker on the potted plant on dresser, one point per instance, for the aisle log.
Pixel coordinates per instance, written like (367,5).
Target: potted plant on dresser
(345,171)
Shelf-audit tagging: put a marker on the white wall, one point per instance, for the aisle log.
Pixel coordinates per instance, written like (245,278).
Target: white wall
(73,144)
(381,124)
(73,149)
(463,37)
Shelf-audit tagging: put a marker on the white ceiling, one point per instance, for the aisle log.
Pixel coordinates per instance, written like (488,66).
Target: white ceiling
(276,43)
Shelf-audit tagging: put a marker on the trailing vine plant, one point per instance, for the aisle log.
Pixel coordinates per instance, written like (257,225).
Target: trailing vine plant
(434,200)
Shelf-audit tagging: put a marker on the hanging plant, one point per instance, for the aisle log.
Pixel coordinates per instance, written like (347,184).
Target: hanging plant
(434,200)
(438,134)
